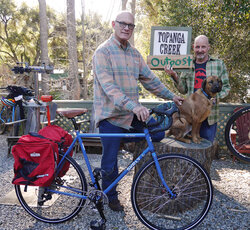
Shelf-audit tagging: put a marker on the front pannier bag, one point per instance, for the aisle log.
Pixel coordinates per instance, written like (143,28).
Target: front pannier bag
(36,159)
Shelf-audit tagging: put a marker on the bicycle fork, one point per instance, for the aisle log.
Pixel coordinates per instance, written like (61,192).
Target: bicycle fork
(158,168)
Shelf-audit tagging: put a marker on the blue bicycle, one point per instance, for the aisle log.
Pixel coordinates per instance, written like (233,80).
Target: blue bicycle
(170,191)
(12,112)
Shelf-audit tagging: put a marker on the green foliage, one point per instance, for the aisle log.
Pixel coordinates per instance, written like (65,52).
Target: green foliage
(56,94)
(20,37)
(226,23)
(19,33)
(96,32)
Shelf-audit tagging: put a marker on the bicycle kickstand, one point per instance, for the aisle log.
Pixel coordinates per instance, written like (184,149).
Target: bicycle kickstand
(101,224)
(99,202)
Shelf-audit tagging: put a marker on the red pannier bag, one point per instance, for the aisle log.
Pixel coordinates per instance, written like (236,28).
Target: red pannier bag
(35,161)
(62,138)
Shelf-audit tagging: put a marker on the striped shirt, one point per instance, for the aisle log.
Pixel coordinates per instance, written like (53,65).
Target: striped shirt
(214,67)
(117,71)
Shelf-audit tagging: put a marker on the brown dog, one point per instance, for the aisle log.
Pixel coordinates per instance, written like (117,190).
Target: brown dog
(194,110)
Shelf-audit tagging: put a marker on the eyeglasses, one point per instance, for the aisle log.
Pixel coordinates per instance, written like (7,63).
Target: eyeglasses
(123,25)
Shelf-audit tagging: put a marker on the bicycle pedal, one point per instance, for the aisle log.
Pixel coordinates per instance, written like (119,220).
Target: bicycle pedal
(98,225)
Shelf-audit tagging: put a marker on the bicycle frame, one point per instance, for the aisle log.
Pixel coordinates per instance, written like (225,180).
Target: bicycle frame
(150,148)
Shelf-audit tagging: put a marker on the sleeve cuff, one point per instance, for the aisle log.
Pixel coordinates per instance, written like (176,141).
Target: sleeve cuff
(130,105)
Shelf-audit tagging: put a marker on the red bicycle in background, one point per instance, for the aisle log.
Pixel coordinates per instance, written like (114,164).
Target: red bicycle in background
(237,134)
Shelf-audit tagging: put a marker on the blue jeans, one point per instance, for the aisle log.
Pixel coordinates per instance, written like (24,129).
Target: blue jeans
(208,131)
(110,148)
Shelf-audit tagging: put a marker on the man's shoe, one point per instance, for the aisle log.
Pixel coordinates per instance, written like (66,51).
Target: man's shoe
(116,206)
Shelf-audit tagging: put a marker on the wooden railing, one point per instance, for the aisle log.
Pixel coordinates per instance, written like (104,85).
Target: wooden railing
(226,110)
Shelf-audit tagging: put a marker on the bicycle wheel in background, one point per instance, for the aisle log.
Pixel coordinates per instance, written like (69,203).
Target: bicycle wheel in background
(6,115)
(187,179)
(3,120)
(50,207)
(237,134)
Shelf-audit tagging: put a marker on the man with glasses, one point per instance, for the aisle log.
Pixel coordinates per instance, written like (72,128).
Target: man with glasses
(117,68)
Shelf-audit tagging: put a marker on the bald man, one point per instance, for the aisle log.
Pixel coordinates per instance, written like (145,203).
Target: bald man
(190,81)
(117,68)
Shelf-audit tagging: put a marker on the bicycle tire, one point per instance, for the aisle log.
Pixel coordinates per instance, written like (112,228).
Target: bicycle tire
(3,117)
(59,208)
(2,127)
(233,136)
(187,179)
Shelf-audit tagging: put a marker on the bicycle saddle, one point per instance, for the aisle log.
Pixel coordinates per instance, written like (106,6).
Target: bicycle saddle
(72,112)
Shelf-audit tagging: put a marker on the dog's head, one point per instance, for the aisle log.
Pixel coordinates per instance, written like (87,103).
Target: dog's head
(212,85)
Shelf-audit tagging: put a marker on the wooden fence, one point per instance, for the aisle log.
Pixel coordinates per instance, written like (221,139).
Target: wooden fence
(226,110)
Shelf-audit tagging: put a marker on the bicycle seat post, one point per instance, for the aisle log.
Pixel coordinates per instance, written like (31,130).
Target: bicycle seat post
(76,127)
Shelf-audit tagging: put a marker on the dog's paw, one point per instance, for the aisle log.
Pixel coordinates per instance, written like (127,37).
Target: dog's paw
(185,140)
(167,133)
(196,140)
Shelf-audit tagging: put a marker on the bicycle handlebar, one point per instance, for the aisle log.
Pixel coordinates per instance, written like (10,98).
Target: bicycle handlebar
(163,111)
(15,91)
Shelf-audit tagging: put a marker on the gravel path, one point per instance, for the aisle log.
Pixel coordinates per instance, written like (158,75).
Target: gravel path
(230,208)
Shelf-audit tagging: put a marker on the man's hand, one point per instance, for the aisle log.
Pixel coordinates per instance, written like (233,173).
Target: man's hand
(178,100)
(169,71)
(141,112)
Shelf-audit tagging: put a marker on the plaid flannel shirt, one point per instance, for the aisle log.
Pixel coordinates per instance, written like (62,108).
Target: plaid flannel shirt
(116,75)
(214,67)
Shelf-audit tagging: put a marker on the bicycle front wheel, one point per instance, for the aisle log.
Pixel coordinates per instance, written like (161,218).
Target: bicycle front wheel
(237,134)
(51,207)
(188,181)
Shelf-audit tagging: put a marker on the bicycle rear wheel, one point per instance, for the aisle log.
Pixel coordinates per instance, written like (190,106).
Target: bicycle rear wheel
(237,134)
(50,207)
(186,178)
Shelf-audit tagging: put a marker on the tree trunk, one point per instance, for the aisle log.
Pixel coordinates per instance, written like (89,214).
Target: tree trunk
(132,4)
(124,3)
(72,52)
(85,90)
(44,44)
(204,152)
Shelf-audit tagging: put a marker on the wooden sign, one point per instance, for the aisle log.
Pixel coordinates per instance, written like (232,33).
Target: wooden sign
(170,40)
(170,46)
(176,61)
